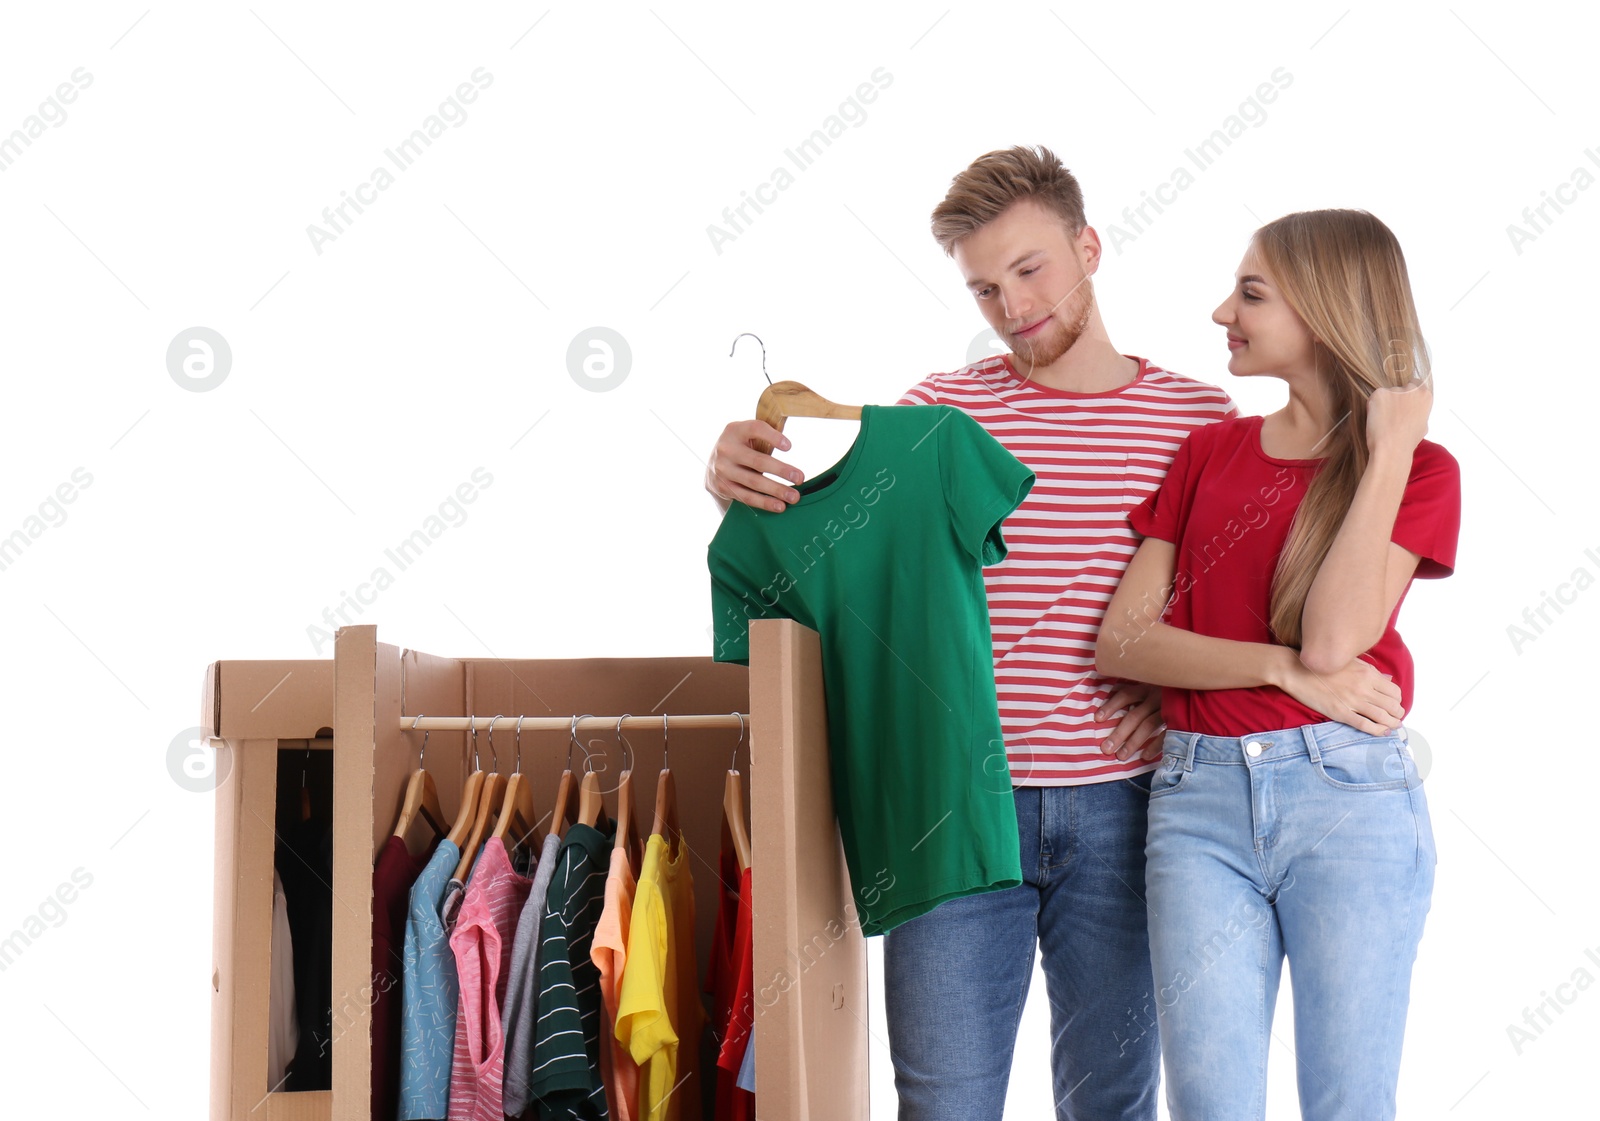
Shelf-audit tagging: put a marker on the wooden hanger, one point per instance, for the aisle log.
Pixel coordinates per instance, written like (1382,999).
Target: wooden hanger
(516,809)
(469,810)
(590,804)
(784,399)
(666,819)
(490,798)
(422,797)
(566,811)
(467,813)
(733,829)
(626,836)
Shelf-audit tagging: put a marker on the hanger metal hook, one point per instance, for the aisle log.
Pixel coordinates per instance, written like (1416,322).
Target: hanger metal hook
(583,747)
(623,745)
(734,766)
(735,346)
(493,754)
(664,742)
(520,719)
(423,750)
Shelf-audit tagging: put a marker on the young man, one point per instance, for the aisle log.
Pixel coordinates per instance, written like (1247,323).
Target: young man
(1098,428)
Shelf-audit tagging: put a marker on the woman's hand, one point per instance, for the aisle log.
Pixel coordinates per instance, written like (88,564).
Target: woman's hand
(737,472)
(1358,695)
(1140,731)
(1397,419)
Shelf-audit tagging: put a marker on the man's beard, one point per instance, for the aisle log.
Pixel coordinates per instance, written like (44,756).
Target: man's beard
(1071,319)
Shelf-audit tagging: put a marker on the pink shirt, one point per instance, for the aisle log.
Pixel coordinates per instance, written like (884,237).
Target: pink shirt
(481,942)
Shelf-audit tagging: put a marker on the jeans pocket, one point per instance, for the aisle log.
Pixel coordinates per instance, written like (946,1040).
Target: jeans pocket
(1168,777)
(1376,763)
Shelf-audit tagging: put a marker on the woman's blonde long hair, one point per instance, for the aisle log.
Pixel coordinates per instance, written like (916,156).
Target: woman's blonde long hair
(1343,273)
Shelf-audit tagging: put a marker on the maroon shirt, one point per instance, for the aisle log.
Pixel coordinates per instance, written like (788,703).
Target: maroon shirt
(392,876)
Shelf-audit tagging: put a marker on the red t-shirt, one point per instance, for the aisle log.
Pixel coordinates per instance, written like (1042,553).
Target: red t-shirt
(734,1104)
(1227,507)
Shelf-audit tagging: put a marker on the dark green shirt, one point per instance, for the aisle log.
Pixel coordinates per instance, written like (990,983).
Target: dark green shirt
(565,1080)
(883,557)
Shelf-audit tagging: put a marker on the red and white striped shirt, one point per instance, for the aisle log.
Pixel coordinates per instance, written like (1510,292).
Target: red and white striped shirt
(1096,456)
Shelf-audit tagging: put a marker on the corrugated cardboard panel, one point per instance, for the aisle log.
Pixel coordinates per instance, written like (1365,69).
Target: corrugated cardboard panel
(354,685)
(242,937)
(267,699)
(810,959)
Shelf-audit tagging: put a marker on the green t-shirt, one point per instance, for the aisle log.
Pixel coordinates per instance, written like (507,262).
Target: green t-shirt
(883,557)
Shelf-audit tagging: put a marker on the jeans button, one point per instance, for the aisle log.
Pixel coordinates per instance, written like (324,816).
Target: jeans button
(1252,749)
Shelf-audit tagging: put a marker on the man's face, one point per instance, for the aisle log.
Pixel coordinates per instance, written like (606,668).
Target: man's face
(1030,277)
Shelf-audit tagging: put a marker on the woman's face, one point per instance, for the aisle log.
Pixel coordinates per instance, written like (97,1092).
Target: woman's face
(1265,335)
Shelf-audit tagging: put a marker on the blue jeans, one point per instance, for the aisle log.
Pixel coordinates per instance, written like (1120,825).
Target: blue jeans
(956,977)
(1311,842)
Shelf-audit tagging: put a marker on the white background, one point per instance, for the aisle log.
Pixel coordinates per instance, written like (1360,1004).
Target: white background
(431,338)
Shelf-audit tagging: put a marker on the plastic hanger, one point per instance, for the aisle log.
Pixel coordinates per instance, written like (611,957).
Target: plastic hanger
(422,796)
(784,399)
(666,819)
(490,798)
(516,809)
(627,837)
(733,829)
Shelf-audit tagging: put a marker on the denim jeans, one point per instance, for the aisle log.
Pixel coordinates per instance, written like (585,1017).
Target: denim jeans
(956,977)
(1311,842)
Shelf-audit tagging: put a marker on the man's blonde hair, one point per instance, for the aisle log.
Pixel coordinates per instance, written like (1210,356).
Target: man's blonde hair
(995,180)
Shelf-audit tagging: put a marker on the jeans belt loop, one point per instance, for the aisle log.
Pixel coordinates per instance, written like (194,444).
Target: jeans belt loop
(1188,750)
(1311,742)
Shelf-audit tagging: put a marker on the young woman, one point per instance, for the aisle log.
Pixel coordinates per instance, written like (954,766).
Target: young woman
(1287,817)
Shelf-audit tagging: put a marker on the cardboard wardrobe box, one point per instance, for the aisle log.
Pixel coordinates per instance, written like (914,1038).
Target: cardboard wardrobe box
(809,955)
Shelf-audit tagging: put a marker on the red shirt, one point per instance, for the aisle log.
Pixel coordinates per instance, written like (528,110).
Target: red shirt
(737,1015)
(1227,506)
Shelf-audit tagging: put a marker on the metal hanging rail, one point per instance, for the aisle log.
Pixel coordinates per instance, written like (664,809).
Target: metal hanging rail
(672,721)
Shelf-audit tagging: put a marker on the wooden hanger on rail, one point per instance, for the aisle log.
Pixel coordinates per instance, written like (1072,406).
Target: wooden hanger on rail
(666,818)
(518,819)
(566,811)
(467,813)
(591,806)
(733,829)
(491,797)
(627,836)
(422,796)
(784,399)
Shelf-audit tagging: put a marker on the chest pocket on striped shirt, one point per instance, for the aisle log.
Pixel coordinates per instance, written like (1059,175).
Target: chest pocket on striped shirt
(1142,473)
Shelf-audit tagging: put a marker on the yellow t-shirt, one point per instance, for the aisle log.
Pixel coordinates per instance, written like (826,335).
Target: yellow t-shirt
(659,1004)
